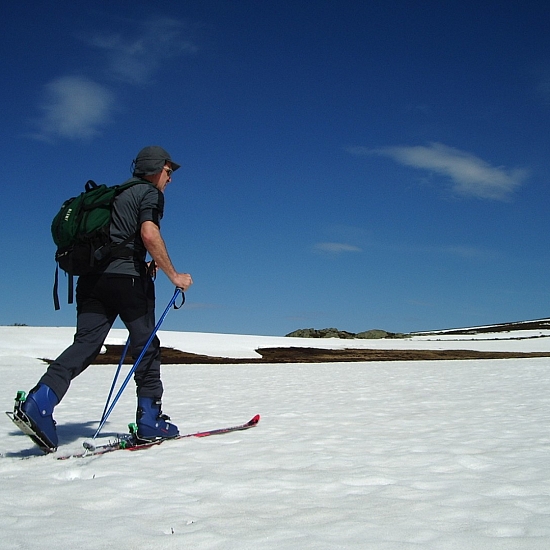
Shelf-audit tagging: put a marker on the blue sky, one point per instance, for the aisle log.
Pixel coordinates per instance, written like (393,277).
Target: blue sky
(350,164)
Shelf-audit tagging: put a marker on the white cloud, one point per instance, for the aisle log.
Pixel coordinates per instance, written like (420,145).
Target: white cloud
(76,107)
(73,107)
(471,252)
(147,49)
(335,248)
(471,176)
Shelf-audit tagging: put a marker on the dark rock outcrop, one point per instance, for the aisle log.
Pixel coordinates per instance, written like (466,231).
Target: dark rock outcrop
(335,333)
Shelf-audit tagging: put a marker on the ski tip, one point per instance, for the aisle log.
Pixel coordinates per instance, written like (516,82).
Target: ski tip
(254,420)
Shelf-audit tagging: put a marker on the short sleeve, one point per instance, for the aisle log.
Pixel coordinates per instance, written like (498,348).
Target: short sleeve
(151,207)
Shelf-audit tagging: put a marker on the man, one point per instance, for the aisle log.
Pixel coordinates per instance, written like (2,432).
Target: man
(124,288)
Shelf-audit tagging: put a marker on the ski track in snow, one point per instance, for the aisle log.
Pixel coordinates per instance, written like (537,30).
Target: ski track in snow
(387,456)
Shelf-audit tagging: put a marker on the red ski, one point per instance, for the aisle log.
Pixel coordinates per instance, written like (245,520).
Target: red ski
(129,442)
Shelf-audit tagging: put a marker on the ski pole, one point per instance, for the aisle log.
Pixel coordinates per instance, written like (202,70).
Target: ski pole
(122,357)
(138,360)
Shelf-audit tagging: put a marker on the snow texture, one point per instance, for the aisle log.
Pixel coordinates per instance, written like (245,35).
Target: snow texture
(442,455)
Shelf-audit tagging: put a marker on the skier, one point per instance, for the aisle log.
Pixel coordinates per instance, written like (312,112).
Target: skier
(124,288)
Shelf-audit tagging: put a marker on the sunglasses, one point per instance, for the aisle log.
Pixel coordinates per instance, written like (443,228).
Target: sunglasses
(169,171)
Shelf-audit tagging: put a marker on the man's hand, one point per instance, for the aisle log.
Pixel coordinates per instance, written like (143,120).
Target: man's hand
(182,280)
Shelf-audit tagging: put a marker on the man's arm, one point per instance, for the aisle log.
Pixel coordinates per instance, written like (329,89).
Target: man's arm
(154,243)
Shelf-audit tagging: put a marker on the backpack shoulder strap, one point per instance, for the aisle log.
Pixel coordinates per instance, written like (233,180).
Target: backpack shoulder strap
(130,183)
(115,249)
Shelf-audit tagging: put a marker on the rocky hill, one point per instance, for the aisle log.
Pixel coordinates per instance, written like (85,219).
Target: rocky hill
(536,324)
(335,333)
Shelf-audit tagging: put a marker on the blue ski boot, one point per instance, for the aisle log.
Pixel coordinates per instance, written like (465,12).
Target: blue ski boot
(151,423)
(33,415)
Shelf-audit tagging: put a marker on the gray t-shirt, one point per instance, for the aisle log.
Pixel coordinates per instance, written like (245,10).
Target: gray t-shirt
(135,205)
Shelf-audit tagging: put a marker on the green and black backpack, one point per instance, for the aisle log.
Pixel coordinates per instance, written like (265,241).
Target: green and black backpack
(81,232)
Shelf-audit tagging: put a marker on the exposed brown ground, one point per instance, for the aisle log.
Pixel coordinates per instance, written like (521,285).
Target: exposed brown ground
(315,355)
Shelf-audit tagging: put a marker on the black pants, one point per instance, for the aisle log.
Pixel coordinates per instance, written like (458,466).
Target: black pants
(99,300)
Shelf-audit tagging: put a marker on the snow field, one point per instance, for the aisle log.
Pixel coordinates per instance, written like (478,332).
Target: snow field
(438,455)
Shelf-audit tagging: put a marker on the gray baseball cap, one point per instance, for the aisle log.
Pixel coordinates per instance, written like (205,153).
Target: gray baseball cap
(151,160)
